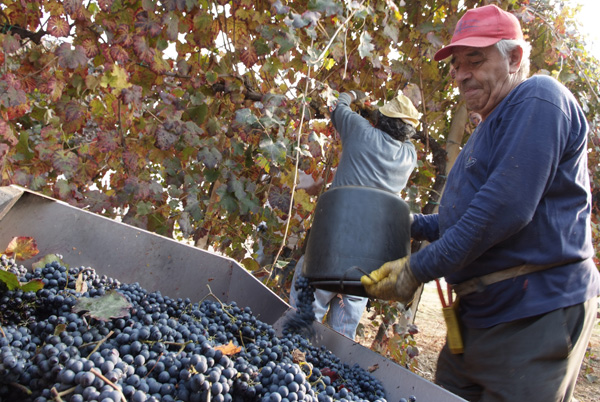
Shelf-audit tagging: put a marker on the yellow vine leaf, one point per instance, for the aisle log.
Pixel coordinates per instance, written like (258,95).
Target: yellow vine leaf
(229,349)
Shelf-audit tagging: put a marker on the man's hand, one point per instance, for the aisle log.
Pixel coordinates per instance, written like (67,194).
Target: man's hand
(392,281)
(358,94)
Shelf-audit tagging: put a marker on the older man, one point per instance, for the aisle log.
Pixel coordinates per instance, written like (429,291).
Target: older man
(513,232)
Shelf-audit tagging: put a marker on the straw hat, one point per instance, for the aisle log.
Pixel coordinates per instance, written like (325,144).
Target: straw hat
(401,108)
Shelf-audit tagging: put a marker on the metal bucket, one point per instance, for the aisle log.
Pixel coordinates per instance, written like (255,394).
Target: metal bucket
(353,227)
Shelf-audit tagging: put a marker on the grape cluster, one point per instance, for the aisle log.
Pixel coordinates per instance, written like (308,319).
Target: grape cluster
(165,349)
(300,322)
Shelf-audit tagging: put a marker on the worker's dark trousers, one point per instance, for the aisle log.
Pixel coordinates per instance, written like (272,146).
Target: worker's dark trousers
(535,359)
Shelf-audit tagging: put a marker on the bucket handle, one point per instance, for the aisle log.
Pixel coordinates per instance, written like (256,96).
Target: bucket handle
(354,268)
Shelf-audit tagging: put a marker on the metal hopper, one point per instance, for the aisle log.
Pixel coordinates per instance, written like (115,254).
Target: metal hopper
(132,255)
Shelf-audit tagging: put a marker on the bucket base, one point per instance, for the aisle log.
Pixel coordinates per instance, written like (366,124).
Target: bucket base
(348,287)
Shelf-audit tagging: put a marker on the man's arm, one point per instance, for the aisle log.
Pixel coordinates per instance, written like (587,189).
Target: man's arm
(524,161)
(425,227)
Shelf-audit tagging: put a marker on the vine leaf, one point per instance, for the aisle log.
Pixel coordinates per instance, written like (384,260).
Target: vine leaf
(80,284)
(71,58)
(33,285)
(366,46)
(58,26)
(10,44)
(229,349)
(111,305)
(10,281)
(116,79)
(248,55)
(250,264)
(22,248)
(280,198)
(48,259)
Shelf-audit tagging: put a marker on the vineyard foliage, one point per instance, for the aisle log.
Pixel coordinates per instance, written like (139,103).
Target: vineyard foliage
(196,119)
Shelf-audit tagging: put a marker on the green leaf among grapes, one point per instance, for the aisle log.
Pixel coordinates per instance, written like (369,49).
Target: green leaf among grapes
(48,259)
(60,328)
(197,114)
(10,280)
(32,286)
(104,308)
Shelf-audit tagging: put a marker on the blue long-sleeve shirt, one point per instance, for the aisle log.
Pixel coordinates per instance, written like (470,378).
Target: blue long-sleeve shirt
(518,193)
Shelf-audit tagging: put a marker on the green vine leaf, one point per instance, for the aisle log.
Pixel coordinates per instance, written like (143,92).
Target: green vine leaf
(104,308)
(10,280)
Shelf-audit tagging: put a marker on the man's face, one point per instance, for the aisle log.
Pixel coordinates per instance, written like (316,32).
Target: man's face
(484,77)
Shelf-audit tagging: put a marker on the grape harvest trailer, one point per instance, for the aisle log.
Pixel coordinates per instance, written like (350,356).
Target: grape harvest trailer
(159,263)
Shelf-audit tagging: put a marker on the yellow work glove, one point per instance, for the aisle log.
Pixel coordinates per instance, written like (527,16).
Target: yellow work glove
(392,281)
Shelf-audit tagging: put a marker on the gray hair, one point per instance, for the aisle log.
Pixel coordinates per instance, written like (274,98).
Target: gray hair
(505,46)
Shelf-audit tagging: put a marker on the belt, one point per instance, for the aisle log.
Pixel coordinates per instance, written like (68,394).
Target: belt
(479,283)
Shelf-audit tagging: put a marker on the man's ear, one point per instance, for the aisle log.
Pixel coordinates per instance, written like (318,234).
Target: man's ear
(514,59)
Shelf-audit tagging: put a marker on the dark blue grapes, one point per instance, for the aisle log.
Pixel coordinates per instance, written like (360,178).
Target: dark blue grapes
(165,349)
(301,321)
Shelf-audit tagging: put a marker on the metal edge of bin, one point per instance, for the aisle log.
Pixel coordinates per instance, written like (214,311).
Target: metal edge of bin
(156,262)
(178,270)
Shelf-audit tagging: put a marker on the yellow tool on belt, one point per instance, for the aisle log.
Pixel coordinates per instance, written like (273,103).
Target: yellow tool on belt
(450,310)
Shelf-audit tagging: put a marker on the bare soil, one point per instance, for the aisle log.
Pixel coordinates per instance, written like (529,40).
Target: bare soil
(432,334)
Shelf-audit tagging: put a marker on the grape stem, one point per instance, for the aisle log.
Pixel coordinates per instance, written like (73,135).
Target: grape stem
(23,388)
(100,342)
(62,393)
(56,395)
(220,302)
(109,382)
(153,367)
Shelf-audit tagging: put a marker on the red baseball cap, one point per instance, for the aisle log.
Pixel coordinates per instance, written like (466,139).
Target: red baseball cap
(482,27)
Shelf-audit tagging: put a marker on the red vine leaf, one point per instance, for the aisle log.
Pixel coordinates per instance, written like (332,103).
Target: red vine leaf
(71,58)
(22,248)
(65,162)
(248,54)
(147,25)
(72,7)
(58,26)
(11,43)
(119,54)
(105,5)
(142,50)
(89,47)
(7,134)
